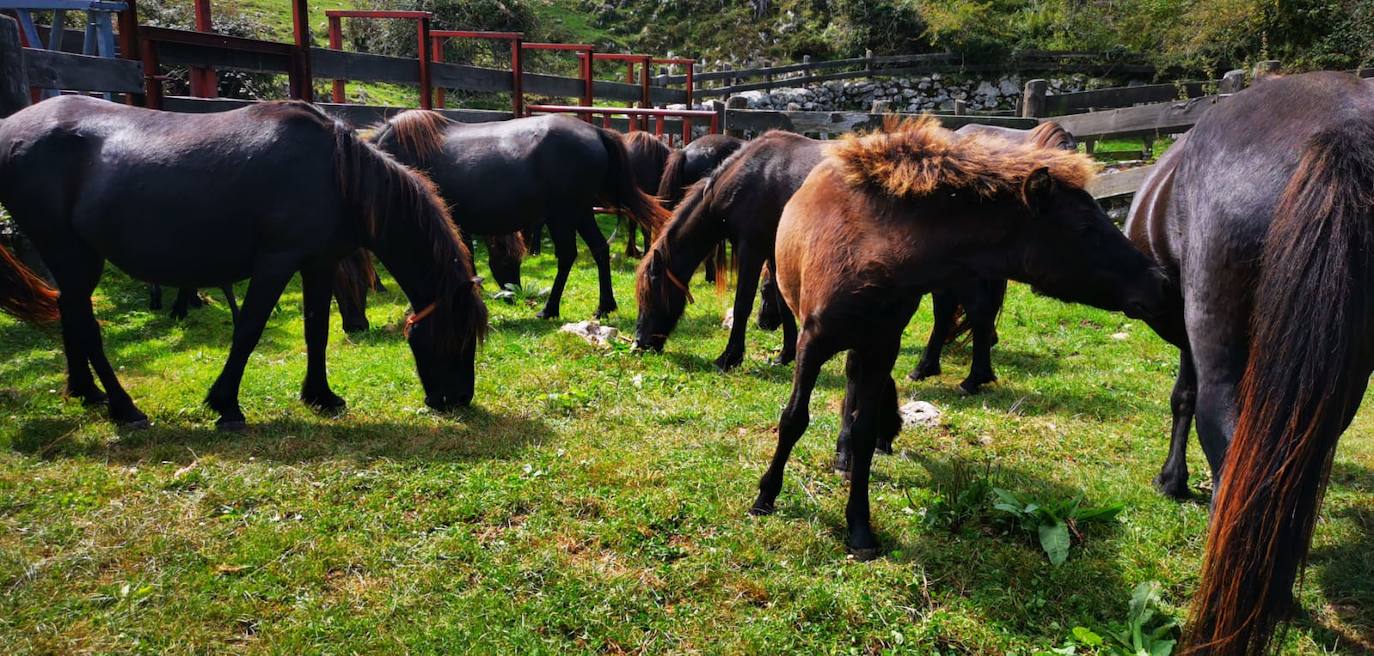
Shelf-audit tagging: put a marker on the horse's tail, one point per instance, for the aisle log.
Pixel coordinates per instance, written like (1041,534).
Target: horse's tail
(723,266)
(670,185)
(620,190)
(380,190)
(1306,373)
(23,294)
(962,326)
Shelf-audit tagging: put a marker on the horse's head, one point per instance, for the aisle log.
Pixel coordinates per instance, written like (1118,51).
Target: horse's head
(447,370)
(662,296)
(1071,250)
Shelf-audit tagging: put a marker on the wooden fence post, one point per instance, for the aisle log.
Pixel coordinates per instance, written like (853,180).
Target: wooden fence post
(14,78)
(1232,82)
(734,102)
(719,108)
(1033,98)
(960,107)
(1266,68)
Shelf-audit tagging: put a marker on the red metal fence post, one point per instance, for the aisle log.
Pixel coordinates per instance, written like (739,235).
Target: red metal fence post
(336,43)
(204,81)
(588,91)
(436,50)
(303,86)
(517,78)
(152,79)
(129,47)
(426,89)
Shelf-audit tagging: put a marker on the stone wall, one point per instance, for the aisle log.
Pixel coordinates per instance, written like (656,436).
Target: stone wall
(935,92)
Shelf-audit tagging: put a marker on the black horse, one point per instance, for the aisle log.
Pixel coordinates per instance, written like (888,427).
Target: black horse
(195,200)
(740,202)
(685,167)
(1263,219)
(503,177)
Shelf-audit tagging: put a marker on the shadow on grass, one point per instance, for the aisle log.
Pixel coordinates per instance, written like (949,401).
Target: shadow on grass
(1000,569)
(472,434)
(1347,568)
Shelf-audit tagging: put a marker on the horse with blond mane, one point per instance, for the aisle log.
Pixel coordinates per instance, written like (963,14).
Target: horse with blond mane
(888,217)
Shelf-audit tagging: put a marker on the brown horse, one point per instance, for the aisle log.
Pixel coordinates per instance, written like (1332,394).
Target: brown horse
(1263,220)
(648,157)
(741,202)
(890,216)
(503,177)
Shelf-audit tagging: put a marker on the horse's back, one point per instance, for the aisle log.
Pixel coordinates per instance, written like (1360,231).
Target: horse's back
(505,175)
(158,192)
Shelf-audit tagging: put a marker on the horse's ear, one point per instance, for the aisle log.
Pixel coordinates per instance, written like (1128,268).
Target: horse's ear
(1037,187)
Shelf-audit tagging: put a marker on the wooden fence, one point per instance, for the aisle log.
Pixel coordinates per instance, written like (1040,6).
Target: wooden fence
(731,81)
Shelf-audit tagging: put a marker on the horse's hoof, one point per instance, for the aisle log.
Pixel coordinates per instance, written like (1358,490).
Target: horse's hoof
(602,313)
(727,361)
(546,314)
(761,509)
(842,464)
(135,424)
(93,399)
(355,329)
(922,373)
(783,359)
(1173,488)
(864,554)
(179,315)
(884,448)
(231,426)
(326,404)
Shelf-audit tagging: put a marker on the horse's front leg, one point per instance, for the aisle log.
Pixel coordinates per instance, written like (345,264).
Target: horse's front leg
(316,288)
(944,304)
(982,305)
(265,287)
(793,422)
(746,285)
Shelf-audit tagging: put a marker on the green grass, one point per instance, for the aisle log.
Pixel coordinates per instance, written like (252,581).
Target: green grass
(592,501)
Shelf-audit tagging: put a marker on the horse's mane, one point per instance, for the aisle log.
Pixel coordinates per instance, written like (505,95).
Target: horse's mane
(382,189)
(420,132)
(1052,135)
(642,139)
(918,157)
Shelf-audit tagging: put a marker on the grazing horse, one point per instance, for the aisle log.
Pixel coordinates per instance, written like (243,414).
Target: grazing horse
(503,177)
(739,202)
(647,156)
(889,216)
(693,162)
(1263,220)
(258,193)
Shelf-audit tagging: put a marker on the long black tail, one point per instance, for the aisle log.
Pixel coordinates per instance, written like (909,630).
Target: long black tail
(620,190)
(1308,368)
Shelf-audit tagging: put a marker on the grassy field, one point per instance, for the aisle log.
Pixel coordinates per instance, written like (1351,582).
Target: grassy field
(594,500)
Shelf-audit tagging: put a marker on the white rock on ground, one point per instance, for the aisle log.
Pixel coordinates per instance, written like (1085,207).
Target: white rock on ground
(919,414)
(592,332)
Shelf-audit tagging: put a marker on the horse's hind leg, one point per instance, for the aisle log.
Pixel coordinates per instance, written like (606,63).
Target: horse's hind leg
(316,288)
(1172,480)
(746,285)
(945,304)
(77,273)
(154,296)
(264,289)
(565,249)
(874,412)
(182,305)
(795,417)
(601,254)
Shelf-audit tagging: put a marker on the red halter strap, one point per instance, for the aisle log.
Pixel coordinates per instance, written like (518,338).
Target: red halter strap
(417,318)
